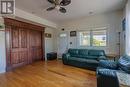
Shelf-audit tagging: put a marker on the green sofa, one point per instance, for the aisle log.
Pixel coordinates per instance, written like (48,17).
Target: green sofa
(83,58)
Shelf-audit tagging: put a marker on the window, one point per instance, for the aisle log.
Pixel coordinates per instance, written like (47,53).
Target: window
(63,35)
(99,38)
(85,38)
(93,38)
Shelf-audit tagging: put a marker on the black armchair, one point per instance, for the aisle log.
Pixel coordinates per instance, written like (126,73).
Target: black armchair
(107,78)
(106,72)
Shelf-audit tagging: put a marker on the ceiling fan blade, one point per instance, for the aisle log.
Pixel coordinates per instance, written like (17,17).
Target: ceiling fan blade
(62,10)
(51,1)
(50,8)
(65,2)
(56,2)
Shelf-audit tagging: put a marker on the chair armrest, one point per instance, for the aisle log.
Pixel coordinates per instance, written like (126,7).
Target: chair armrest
(109,64)
(106,72)
(124,63)
(107,78)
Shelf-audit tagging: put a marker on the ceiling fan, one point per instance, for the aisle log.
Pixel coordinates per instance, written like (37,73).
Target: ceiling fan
(58,4)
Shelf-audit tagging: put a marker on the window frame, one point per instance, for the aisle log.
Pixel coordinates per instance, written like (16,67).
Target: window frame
(62,34)
(106,37)
(79,38)
(91,37)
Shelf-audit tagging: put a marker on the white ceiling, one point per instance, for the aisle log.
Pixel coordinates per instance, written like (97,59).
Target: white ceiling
(77,9)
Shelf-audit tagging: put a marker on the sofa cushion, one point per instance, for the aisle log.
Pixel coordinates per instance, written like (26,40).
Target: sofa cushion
(73,52)
(124,63)
(92,57)
(83,52)
(96,53)
(77,59)
(88,57)
(83,60)
(92,61)
(81,56)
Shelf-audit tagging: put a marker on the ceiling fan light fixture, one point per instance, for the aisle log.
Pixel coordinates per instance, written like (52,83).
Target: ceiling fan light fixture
(57,7)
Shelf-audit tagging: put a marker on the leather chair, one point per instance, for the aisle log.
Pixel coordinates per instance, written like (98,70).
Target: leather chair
(107,78)
(106,72)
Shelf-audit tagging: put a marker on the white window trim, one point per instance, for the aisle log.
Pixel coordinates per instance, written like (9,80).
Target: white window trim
(91,36)
(79,38)
(106,38)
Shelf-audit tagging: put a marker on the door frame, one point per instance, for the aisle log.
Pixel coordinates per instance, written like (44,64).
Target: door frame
(67,37)
(8,40)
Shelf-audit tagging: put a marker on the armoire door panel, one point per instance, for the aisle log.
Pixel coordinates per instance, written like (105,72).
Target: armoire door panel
(19,47)
(14,57)
(23,38)
(23,46)
(40,53)
(23,56)
(35,45)
(15,37)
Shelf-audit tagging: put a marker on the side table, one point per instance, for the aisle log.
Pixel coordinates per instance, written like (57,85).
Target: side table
(112,56)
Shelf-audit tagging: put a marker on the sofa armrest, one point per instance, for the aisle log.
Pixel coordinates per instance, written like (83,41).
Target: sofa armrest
(109,64)
(107,78)
(65,57)
(102,58)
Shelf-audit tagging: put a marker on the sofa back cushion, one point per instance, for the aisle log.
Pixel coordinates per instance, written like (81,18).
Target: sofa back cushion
(96,53)
(124,63)
(83,52)
(73,52)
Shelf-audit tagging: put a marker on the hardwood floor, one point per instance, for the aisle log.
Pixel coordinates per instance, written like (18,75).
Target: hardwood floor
(48,74)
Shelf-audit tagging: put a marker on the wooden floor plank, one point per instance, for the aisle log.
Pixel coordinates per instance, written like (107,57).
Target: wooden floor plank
(48,74)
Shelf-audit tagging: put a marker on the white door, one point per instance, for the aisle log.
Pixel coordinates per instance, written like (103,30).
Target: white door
(62,47)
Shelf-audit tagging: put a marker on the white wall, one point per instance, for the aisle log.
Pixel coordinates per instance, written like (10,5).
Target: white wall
(110,20)
(2,49)
(49,42)
(31,17)
(128,28)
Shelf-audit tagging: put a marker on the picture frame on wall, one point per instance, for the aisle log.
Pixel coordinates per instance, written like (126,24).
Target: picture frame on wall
(73,33)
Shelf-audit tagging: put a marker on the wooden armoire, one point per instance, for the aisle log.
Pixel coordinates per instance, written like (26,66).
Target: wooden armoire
(24,43)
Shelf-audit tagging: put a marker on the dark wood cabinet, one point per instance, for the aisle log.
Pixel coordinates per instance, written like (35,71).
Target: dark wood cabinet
(24,43)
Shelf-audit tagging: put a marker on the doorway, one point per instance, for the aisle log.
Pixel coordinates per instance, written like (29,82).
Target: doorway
(63,44)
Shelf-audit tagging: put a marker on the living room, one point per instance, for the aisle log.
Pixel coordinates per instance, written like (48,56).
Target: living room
(80,43)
